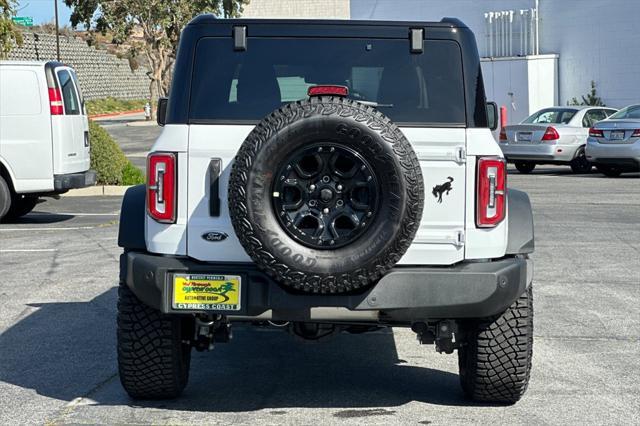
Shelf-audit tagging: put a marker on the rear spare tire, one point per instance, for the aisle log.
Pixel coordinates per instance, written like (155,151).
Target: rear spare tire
(326,195)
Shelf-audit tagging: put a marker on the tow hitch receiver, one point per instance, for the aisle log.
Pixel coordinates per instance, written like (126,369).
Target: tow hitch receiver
(442,333)
(209,330)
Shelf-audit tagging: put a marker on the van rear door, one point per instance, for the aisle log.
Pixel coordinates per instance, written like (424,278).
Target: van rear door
(70,129)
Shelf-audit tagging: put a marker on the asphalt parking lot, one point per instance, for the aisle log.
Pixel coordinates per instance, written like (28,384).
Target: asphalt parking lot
(57,331)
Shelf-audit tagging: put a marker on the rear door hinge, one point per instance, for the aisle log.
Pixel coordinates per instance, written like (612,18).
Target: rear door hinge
(461,155)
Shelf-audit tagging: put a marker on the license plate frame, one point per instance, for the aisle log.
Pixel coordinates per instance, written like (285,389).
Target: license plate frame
(616,135)
(524,136)
(208,292)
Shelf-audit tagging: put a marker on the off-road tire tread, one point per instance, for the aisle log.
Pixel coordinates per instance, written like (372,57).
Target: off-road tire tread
(325,283)
(152,360)
(495,364)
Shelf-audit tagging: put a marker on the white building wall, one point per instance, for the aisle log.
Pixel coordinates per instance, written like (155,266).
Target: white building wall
(596,39)
(327,9)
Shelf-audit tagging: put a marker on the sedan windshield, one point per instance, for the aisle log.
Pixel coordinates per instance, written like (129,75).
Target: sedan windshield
(551,115)
(632,111)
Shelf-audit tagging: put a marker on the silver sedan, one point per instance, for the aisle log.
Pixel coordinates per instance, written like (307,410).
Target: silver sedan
(556,135)
(614,144)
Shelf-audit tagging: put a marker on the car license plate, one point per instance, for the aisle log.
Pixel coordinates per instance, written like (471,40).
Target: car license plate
(617,135)
(524,137)
(206,292)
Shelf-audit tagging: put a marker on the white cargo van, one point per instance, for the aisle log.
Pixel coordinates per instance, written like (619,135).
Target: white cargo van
(44,134)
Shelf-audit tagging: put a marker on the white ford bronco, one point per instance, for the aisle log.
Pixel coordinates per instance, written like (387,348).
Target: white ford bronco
(326,176)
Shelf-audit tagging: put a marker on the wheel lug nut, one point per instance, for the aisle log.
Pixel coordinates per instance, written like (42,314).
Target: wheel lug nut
(325,210)
(312,187)
(339,187)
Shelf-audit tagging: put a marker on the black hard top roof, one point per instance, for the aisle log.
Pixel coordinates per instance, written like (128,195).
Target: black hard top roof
(210,19)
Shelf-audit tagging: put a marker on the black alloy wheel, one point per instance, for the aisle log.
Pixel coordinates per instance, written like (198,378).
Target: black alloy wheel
(326,196)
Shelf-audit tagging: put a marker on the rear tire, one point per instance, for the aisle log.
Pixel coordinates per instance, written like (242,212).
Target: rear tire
(607,170)
(580,164)
(21,205)
(525,167)
(495,363)
(5,198)
(153,361)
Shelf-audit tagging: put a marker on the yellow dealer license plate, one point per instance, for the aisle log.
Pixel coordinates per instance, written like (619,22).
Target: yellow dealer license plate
(208,292)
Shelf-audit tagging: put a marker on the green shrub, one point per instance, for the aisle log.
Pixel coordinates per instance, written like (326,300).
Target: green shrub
(109,105)
(131,175)
(108,160)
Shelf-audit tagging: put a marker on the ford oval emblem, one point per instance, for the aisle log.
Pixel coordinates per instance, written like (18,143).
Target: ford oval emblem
(214,236)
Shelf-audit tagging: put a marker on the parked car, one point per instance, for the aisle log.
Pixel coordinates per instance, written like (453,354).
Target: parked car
(555,135)
(44,135)
(614,144)
(289,191)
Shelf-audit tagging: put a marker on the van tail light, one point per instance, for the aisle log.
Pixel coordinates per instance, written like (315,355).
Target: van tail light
(550,135)
(55,101)
(161,187)
(503,135)
(491,191)
(596,133)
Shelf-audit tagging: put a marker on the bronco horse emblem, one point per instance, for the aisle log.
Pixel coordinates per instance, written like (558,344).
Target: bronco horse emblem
(438,190)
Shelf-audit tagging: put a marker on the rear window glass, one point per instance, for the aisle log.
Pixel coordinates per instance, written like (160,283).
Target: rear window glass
(554,116)
(632,111)
(69,96)
(228,85)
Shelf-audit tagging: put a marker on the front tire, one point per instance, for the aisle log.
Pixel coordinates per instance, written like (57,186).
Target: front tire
(153,361)
(525,167)
(495,363)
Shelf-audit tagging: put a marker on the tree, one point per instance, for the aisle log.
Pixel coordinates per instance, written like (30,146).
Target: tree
(590,99)
(160,23)
(10,35)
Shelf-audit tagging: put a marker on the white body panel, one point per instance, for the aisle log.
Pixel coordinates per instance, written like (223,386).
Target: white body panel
(447,233)
(70,153)
(481,243)
(34,145)
(160,237)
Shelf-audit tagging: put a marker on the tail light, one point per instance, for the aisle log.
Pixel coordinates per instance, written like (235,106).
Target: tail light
(636,133)
(491,192)
(596,133)
(328,90)
(503,135)
(161,187)
(551,134)
(55,101)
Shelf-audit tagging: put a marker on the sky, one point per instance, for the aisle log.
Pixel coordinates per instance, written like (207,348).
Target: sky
(42,11)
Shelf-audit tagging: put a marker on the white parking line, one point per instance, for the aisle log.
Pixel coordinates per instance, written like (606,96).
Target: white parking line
(70,228)
(27,250)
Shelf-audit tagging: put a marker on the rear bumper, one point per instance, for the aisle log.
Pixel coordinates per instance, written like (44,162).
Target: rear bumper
(63,183)
(404,295)
(625,155)
(545,153)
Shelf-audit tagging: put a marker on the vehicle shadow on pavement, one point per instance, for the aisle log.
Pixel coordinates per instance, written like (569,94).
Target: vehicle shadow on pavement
(39,218)
(67,350)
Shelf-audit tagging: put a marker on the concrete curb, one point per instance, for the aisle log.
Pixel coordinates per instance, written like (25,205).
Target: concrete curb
(100,190)
(116,114)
